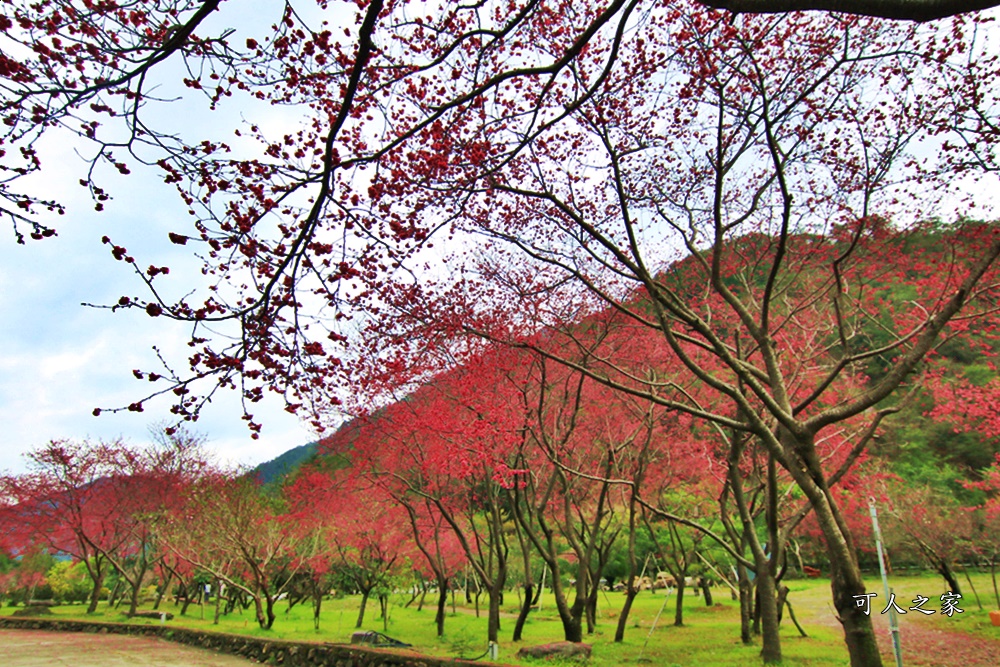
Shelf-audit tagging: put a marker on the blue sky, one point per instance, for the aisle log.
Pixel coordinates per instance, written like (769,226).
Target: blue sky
(59,360)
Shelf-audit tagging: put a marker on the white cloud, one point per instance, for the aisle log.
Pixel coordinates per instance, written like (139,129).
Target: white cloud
(59,360)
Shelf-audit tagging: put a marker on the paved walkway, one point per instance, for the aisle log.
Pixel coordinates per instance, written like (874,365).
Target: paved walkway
(41,648)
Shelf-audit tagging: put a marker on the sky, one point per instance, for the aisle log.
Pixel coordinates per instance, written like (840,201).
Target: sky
(59,359)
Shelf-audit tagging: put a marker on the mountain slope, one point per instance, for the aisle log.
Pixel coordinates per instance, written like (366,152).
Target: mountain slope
(285,464)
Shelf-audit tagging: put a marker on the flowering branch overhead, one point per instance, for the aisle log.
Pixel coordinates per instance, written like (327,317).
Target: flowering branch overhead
(907,10)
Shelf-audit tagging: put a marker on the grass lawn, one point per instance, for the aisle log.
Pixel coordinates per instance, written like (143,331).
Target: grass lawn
(710,636)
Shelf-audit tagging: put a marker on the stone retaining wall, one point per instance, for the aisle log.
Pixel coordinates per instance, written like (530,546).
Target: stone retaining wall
(270,651)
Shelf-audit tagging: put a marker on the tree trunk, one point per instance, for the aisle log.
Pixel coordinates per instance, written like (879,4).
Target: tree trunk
(185,591)
(136,585)
(163,590)
(949,577)
(782,603)
(133,603)
(218,602)
(571,617)
(493,624)
(541,586)
(442,601)
(317,604)
(706,590)
(258,608)
(573,622)
(522,617)
(679,609)
(591,608)
(528,584)
(269,610)
(414,594)
(235,597)
(630,571)
(264,610)
(746,604)
(423,595)
(95,593)
(767,608)
(766,565)
(765,617)
(756,609)
(630,594)
(846,583)
(140,576)
(968,579)
(361,612)
(115,596)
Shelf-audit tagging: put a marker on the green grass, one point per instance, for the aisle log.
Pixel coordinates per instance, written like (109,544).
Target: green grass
(709,638)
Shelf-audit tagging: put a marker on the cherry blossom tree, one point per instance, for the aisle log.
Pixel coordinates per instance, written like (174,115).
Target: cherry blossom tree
(600,143)
(452,444)
(714,193)
(227,528)
(66,503)
(279,216)
(148,484)
(935,527)
(569,431)
(914,10)
(439,547)
(987,523)
(102,503)
(363,533)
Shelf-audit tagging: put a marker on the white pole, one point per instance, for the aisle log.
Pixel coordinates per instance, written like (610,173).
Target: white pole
(893,621)
(541,586)
(666,596)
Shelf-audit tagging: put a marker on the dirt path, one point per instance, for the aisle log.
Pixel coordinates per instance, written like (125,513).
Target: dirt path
(42,648)
(927,644)
(925,641)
